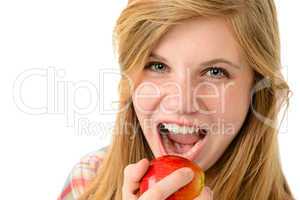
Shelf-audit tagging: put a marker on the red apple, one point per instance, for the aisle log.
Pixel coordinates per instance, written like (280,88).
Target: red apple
(165,165)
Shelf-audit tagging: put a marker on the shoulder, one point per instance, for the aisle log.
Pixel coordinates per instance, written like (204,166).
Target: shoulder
(82,174)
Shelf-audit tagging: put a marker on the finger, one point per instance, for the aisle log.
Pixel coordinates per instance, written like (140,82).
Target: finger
(133,174)
(206,194)
(169,185)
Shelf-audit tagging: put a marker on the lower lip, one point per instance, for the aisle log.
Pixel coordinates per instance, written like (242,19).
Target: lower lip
(190,154)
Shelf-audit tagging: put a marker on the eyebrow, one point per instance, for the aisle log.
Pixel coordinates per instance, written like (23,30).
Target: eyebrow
(205,63)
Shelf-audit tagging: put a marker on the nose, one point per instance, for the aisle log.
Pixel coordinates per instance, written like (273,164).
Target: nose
(185,102)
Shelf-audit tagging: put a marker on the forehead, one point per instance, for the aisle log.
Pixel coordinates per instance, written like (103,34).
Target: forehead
(199,38)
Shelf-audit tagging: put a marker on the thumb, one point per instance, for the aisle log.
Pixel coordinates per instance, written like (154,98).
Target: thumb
(207,194)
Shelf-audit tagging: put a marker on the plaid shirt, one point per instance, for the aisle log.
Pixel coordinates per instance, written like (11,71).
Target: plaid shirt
(81,175)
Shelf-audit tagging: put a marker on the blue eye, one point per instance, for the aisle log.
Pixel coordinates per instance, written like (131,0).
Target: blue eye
(156,66)
(213,72)
(217,72)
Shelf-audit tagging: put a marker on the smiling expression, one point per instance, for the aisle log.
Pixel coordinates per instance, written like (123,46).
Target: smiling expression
(195,76)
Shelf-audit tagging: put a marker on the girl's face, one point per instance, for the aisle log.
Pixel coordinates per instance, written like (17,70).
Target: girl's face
(195,76)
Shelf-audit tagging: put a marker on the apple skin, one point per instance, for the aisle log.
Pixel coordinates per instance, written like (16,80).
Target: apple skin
(165,165)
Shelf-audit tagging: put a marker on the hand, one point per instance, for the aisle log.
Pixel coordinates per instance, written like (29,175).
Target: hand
(133,173)
(206,194)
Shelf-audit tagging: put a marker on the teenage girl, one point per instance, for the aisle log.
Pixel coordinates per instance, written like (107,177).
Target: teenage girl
(211,67)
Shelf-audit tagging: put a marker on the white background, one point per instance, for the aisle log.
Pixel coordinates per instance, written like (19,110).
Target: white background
(73,39)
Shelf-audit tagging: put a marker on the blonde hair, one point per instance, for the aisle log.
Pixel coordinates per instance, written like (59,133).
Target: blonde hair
(250,167)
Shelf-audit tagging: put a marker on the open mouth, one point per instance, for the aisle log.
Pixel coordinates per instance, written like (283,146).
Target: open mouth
(187,145)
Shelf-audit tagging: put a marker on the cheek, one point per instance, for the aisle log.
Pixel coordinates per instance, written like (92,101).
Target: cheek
(228,107)
(145,98)
(235,101)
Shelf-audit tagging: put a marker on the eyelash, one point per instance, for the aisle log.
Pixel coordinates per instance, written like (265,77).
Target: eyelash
(209,69)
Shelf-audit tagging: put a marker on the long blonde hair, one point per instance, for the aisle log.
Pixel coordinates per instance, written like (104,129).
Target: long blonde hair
(250,167)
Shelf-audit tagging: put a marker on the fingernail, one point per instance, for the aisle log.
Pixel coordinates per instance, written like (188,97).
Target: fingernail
(188,172)
(208,191)
(143,160)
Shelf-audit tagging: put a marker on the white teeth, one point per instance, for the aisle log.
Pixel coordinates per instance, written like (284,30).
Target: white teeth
(175,128)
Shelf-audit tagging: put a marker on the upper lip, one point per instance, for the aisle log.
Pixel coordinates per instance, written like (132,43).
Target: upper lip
(182,122)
